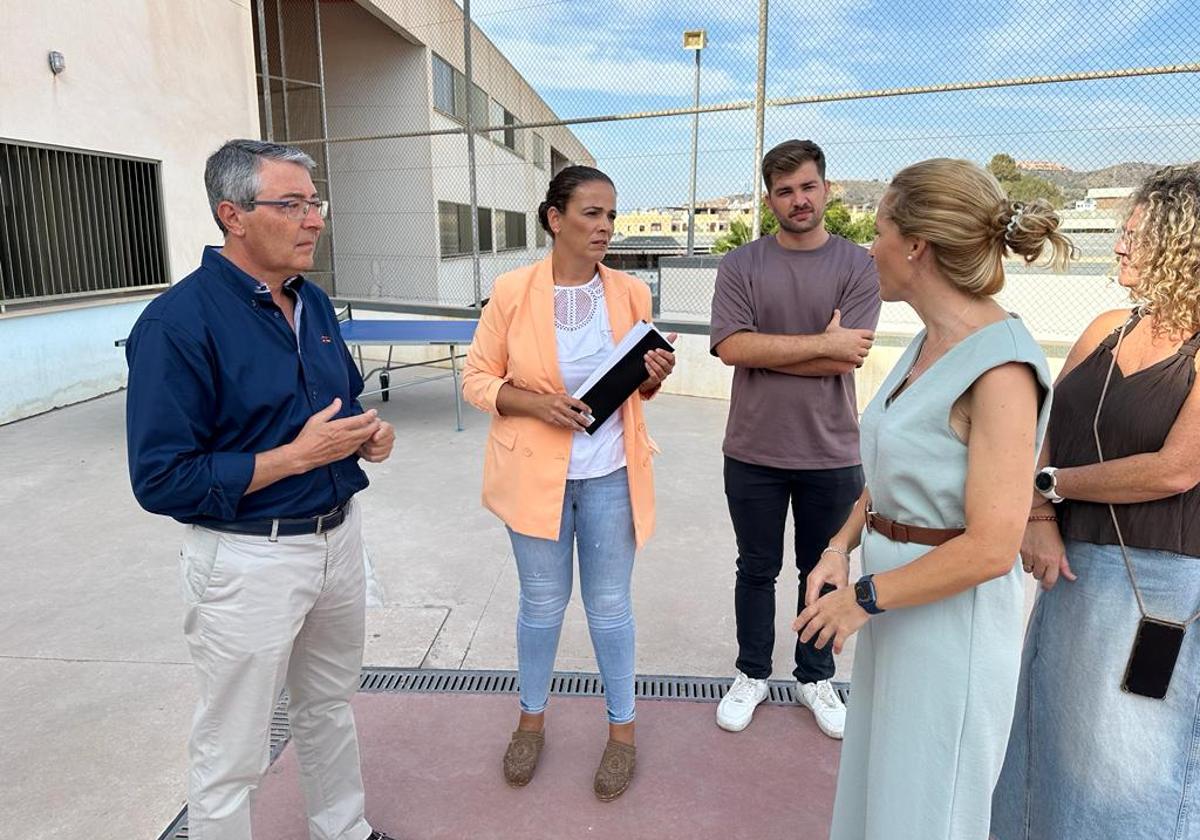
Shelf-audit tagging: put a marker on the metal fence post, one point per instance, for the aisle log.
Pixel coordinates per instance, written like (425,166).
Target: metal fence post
(760,99)
(470,84)
(268,117)
(332,223)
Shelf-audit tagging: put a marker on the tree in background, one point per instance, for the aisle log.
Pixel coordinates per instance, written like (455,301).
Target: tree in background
(1022,187)
(1004,168)
(1029,188)
(837,220)
(739,231)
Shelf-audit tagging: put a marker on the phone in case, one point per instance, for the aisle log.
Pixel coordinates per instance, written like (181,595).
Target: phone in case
(1155,649)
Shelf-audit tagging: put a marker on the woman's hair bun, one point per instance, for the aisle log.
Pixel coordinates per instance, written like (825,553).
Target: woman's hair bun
(1030,227)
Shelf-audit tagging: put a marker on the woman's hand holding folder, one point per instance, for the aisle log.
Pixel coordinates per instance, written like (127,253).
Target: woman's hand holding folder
(659,364)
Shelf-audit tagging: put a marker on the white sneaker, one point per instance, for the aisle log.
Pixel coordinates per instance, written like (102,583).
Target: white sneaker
(827,707)
(737,706)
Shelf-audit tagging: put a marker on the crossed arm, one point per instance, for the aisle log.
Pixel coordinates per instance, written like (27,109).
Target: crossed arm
(835,351)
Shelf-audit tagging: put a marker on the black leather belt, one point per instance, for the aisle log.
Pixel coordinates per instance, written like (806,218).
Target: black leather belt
(273,528)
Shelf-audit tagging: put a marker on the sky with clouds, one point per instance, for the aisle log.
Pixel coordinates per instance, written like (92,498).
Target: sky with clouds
(586,58)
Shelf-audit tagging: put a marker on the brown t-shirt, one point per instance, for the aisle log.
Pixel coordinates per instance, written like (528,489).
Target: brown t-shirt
(776,419)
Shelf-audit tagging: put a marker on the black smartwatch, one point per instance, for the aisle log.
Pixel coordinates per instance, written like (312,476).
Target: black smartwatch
(864,594)
(1046,483)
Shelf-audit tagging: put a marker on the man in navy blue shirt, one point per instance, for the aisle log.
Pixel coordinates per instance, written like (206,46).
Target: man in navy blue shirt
(243,423)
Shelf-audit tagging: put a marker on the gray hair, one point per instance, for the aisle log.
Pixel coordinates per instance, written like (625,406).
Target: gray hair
(231,173)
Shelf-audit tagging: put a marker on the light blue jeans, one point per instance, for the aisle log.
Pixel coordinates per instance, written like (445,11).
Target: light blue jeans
(1087,761)
(598,517)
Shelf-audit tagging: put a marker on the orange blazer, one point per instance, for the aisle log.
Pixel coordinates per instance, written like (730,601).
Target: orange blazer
(525,466)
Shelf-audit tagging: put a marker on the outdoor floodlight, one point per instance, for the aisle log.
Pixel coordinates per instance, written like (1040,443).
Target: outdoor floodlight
(695,39)
(58,62)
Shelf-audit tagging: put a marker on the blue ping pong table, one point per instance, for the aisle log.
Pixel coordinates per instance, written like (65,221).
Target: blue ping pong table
(451,334)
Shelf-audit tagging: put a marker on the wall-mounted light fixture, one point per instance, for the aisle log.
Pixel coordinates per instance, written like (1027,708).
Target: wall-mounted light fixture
(58,62)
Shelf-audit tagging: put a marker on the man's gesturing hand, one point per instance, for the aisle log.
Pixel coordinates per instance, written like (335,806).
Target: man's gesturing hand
(379,447)
(324,440)
(843,344)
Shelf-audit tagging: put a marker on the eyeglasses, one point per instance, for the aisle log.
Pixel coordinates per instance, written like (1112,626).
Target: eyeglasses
(295,209)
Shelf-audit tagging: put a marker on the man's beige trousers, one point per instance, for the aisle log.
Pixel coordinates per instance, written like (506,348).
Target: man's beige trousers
(262,615)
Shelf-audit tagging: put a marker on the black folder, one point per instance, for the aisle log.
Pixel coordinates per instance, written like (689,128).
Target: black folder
(621,373)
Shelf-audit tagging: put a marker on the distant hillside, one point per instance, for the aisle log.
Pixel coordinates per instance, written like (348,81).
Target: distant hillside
(1073,184)
(1076,184)
(860,192)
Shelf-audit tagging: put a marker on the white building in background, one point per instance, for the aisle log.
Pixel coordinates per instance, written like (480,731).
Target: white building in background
(102,151)
(401,208)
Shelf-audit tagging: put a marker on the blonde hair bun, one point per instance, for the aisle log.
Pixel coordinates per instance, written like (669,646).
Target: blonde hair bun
(970,224)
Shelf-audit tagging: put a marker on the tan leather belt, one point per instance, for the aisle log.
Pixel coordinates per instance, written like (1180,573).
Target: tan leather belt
(899,532)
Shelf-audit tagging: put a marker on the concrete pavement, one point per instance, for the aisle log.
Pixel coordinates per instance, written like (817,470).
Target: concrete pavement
(95,686)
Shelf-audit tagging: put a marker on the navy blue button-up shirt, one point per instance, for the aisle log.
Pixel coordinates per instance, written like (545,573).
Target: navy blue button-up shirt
(216,375)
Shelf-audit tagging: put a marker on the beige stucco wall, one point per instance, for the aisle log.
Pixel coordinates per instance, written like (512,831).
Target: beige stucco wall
(168,80)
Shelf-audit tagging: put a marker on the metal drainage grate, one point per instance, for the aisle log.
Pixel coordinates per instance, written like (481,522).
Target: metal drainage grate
(562,684)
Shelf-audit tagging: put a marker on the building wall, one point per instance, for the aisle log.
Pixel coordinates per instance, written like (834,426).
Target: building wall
(378,58)
(642,222)
(711,222)
(437,25)
(168,80)
(65,356)
(384,226)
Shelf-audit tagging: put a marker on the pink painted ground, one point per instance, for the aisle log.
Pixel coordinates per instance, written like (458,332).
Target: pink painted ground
(431,765)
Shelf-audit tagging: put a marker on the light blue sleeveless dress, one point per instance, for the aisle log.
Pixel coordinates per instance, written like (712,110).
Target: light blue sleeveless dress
(933,688)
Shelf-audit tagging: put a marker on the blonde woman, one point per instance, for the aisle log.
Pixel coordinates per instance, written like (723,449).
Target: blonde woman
(1094,752)
(948,445)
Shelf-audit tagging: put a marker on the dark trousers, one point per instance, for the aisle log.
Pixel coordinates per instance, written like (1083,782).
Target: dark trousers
(758,504)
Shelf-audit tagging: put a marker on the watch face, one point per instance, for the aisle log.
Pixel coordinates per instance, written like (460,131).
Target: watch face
(863,591)
(1044,482)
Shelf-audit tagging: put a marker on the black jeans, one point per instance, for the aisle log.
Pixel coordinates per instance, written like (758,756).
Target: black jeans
(758,503)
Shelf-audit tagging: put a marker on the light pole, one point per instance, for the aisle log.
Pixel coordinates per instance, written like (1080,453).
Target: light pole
(694,40)
(760,103)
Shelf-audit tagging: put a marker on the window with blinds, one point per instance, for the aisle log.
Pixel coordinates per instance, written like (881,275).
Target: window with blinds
(510,230)
(77,224)
(454,229)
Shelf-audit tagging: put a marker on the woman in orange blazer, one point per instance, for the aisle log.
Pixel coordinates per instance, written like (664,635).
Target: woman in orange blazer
(545,329)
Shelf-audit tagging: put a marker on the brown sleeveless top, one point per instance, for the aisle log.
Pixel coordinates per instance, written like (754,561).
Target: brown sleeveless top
(1139,411)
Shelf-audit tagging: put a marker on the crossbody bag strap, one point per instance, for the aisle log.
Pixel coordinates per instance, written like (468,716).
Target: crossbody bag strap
(1112,511)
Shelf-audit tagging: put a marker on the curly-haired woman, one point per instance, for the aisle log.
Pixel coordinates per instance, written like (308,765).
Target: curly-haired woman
(1090,756)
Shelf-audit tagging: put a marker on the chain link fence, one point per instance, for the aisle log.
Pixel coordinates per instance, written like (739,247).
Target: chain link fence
(1068,100)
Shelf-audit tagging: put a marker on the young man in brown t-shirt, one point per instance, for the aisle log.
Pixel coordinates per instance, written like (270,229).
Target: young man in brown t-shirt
(795,314)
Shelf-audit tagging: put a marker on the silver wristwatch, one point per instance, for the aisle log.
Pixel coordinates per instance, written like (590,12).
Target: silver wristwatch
(1046,483)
